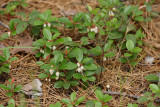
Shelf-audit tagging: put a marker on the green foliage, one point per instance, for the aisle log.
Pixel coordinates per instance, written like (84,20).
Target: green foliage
(5,61)
(11,87)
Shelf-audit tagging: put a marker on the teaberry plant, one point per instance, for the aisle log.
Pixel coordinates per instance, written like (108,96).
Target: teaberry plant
(108,31)
(5,61)
(11,87)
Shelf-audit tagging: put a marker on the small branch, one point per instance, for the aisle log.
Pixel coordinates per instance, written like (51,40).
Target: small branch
(118,93)
(6,26)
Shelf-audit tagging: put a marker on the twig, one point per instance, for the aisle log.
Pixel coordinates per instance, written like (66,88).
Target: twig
(118,93)
(6,26)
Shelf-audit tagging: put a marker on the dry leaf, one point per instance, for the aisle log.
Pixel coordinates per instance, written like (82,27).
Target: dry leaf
(33,88)
(24,41)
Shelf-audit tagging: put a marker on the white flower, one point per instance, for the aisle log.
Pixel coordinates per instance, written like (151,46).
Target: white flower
(108,86)
(104,58)
(111,13)
(52,66)
(113,8)
(66,47)
(57,78)
(51,71)
(79,70)
(82,68)
(57,74)
(44,25)
(49,24)
(46,79)
(10,66)
(49,79)
(78,64)
(42,51)
(9,33)
(94,29)
(149,60)
(54,48)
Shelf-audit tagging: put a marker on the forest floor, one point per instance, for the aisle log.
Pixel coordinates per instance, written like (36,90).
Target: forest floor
(24,70)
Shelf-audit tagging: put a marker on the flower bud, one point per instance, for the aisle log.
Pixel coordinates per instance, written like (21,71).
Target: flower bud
(104,58)
(46,79)
(108,86)
(57,78)
(66,47)
(94,29)
(49,79)
(44,25)
(49,24)
(79,70)
(111,13)
(9,33)
(10,66)
(42,51)
(82,68)
(51,71)
(149,60)
(78,64)
(114,9)
(54,48)
(57,74)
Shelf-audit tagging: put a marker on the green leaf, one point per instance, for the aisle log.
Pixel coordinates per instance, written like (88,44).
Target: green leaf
(77,75)
(66,85)
(4,87)
(132,105)
(11,103)
(154,88)
(128,10)
(110,54)
(106,98)
(68,66)
(74,83)
(18,88)
(131,37)
(78,53)
(6,53)
(99,95)
(79,100)
(90,66)
(47,33)
(58,84)
(45,15)
(84,78)
(136,50)
(127,54)
(58,104)
(43,75)
(97,50)
(78,16)
(87,19)
(66,100)
(4,36)
(98,104)
(13,59)
(130,45)
(91,35)
(21,27)
(51,19)
(148,8)
(11,25)
(9,94)
(91,78)
(73,97)
(55,36)
(152,78)
(139,18)
(64,20)
(86,60)
(115,35)
(90,103)
(58,58)
(38,22)
(143,99)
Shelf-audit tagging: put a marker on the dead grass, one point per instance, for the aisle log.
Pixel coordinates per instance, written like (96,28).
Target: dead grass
(117,75)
